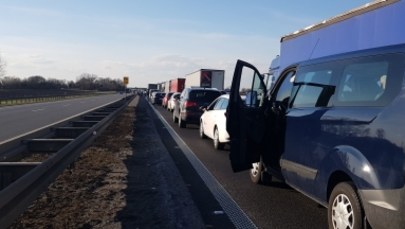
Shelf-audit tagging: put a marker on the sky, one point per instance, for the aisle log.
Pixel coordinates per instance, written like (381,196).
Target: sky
(150,41)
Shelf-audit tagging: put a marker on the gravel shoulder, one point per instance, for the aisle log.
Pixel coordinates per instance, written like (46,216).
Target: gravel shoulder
(125,179)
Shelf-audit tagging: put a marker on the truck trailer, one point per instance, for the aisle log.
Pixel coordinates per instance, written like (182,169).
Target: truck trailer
(372,25)
(152,86)
(207,78)
(331,127)
(177,85)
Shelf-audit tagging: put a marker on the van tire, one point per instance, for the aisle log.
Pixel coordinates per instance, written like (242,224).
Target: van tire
(345,200)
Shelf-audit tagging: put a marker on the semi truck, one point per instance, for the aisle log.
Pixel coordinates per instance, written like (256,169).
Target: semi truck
(166,87)
(207,78)
(372,25)
(330,127)
(152,86)
(177,85)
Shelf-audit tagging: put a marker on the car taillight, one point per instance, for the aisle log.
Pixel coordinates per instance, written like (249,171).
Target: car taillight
(189,104)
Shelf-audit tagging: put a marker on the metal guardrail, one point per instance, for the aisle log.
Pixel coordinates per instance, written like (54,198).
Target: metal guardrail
(17,97)
(22,182)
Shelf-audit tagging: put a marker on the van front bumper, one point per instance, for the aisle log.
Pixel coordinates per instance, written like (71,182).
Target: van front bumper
(384,208)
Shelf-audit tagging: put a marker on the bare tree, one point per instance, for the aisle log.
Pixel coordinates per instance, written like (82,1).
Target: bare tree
(86,81)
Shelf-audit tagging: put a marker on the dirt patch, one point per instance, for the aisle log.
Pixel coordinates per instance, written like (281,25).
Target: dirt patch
(124,180)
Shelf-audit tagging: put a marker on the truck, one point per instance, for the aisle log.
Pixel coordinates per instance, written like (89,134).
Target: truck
(177,85)
(207,78)
(369,26)
(331,126)
(152,86)
(166,88)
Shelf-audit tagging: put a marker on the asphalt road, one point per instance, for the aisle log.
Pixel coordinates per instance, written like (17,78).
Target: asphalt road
(273,206)
(19,120)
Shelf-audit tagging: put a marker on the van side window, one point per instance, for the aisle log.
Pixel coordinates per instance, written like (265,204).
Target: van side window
(284,90)
(313,87)
(363,82)
(370,80)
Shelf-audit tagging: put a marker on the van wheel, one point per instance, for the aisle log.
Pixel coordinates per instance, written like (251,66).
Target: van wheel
(344,210)
(217,144)
(202,135)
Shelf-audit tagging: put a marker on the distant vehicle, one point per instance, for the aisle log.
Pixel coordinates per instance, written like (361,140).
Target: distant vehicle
(152,86)
(150,93)
(206,78)
(332,126)
(177,85)
(166,99)
(213,122)
(187,110)
(172,101)
(157,97)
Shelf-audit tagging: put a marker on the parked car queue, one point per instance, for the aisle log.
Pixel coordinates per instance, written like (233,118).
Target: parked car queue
(205,107)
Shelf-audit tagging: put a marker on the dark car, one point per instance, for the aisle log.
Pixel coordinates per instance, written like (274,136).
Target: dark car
(332,128)
(157,97)
(188,108)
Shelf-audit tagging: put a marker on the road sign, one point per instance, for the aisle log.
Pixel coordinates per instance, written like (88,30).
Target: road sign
(126,80)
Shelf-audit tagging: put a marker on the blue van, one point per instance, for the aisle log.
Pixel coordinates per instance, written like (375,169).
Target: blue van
(332,128)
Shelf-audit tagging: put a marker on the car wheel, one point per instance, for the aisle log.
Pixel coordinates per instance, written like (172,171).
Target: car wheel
(344,210)
(175,119)
(182,123)
(202,135)
(217,143)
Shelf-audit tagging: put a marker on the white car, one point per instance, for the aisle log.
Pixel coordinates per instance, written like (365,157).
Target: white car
(172,102)
(213,122)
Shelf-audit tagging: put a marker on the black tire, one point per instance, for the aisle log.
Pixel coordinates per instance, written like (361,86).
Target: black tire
(217,144)
(202,135)
(345,200)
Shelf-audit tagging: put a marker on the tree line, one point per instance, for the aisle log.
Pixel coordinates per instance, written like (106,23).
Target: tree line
(85,81)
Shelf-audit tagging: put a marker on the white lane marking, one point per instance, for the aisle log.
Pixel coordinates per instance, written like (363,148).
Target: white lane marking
(238,217)
(67,105)
(36,110)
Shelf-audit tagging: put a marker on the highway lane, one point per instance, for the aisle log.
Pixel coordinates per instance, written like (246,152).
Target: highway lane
(273,206)
(19,120)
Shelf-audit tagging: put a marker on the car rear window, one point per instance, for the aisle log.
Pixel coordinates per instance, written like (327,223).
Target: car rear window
(204,96)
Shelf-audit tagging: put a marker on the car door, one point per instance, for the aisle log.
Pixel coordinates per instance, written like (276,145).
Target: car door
(246,116)
(209,119)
